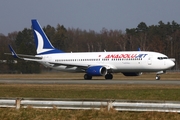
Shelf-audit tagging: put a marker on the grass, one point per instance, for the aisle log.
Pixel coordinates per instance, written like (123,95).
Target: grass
(121,91)
(131,92)
(54,114)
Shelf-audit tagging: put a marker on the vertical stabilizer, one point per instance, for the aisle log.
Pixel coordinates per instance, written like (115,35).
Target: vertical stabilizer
(43,45)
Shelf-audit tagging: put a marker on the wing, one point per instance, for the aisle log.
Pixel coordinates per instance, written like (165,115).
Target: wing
(83,67)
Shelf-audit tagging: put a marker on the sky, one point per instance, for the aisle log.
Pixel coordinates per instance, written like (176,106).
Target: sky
(15,15)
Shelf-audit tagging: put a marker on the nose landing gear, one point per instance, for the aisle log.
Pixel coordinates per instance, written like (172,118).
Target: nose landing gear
(158,77)
(158,73)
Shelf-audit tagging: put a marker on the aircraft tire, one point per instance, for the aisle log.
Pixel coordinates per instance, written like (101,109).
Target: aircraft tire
(108,76)
(87,77)
(158,77)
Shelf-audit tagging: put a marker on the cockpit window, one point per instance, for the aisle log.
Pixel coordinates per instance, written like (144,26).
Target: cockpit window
(161,58)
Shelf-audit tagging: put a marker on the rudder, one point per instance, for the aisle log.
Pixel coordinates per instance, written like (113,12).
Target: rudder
(43,45)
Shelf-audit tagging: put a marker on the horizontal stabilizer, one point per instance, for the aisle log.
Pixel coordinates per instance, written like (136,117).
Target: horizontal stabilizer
(13,53)
(22,56)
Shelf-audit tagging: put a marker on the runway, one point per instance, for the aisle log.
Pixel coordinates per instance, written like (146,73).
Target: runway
(70,81)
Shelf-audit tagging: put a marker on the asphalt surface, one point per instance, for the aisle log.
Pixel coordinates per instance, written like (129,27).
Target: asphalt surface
(70,81)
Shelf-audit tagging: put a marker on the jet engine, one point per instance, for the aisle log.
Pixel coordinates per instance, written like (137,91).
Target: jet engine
(96,71)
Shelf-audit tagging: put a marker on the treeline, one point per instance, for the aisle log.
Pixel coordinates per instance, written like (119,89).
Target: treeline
(164,38)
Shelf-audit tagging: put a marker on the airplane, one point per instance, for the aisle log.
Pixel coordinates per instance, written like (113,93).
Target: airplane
(129,63)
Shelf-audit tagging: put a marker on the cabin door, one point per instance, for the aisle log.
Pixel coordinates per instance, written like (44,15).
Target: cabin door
(149,60)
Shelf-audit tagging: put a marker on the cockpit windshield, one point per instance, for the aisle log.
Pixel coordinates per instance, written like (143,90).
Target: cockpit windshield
(161,58)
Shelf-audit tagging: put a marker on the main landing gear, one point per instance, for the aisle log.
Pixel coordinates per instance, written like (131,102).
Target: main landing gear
(108,76)
(87,77)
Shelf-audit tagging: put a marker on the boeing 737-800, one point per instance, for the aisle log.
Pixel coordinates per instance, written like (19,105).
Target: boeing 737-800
(129,63)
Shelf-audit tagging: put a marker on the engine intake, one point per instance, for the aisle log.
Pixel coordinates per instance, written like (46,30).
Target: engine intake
(96,71)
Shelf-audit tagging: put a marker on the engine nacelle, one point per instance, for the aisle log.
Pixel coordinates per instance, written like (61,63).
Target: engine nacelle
(96,71)
(132,73)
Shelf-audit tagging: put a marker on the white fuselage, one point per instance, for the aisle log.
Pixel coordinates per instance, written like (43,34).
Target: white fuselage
(132,61)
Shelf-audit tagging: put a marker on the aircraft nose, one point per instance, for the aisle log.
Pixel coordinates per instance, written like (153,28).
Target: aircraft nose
(170,63)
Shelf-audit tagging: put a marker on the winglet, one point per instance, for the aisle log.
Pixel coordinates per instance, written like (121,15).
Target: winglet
(139,49)
(13,52)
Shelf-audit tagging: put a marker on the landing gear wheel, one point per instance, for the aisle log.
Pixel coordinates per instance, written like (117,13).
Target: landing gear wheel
(87,77)
(109,76)
(158,77)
